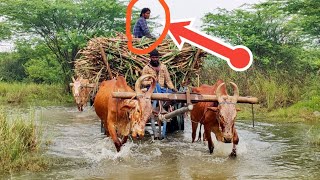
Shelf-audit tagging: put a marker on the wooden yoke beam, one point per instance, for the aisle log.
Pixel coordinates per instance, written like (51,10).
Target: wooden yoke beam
(182,97)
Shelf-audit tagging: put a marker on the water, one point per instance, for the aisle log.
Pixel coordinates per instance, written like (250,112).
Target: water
(80,151)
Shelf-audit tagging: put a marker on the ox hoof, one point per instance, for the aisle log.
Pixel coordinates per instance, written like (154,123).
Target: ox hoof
(118,146)
(158,138)
(211,150)
(233,154)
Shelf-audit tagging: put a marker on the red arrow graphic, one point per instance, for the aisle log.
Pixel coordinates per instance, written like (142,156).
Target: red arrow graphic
(239,58)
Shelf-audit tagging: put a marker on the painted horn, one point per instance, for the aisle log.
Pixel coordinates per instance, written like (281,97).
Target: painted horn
(139,81)
(235,92)
(218,92)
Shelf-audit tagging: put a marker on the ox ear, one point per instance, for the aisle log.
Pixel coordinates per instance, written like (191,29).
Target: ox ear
(91,85)
(88,85)
(214,109)
(127,107)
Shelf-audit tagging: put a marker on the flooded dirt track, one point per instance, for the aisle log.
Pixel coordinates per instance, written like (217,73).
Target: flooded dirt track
(80,151)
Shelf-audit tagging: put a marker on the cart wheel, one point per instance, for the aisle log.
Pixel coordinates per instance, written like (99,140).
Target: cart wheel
(180,122)
(180,119)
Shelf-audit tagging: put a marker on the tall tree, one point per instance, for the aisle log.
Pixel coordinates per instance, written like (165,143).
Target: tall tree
(308,12)
(65,25)
(272,36)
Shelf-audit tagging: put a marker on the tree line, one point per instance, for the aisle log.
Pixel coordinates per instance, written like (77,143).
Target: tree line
(282,34)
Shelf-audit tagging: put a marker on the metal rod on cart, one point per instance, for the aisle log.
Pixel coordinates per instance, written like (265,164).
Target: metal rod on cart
(252,115)
(174,113)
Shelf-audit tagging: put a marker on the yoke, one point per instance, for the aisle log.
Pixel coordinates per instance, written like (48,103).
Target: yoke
(185,97)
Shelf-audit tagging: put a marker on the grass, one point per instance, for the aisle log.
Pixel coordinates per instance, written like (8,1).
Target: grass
(20,144)
(303,110)
(33,94)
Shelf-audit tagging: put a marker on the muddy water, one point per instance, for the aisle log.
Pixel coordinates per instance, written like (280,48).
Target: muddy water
(267,151)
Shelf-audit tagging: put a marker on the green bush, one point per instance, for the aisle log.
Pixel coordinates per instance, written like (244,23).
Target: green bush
(20,141)
(33,94)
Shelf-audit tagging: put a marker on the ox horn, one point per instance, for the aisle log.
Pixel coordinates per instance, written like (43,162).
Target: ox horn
(218,92)
(73,80)
(139,81)
(235,92)
(151,89)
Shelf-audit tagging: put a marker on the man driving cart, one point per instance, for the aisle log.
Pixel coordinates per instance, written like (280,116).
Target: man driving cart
(164,83)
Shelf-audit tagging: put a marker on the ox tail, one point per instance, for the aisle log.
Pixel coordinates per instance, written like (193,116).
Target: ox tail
(92,98)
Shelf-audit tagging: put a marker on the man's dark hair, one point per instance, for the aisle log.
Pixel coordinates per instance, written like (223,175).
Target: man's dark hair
(144,10)
(154,53)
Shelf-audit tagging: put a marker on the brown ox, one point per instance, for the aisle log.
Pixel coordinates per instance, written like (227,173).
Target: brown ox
(120,116)
(218,117)
(81,89)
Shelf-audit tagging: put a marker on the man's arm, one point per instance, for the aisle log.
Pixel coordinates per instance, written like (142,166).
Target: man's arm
(144,27)
(168,79)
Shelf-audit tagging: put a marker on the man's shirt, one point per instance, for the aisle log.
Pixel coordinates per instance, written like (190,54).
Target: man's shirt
(141,28)
(162,77)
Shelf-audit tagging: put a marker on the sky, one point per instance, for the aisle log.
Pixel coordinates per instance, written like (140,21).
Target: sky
(186,9)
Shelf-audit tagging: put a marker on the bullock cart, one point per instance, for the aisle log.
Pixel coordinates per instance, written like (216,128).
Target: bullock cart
(107,57)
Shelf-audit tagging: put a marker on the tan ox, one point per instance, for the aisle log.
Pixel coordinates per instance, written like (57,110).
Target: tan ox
(217,118)
(119,116)
(81,89)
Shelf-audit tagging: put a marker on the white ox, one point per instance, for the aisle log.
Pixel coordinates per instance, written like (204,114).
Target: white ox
(81,89)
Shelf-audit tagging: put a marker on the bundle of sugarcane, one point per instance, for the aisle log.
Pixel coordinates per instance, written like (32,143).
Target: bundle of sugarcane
(104,58)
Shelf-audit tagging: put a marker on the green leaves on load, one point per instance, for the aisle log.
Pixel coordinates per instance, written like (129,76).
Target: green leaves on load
(130,65)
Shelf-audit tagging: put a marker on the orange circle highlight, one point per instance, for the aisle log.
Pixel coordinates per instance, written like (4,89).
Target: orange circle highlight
(128,29)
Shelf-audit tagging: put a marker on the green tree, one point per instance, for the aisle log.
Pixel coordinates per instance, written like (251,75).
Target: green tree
(267,31)
(4,31)
(64,25)
(308,12)
(31,61)
(42,66)
(11,68)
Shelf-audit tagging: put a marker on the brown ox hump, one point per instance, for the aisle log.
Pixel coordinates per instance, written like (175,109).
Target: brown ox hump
(121,85)
(209,90)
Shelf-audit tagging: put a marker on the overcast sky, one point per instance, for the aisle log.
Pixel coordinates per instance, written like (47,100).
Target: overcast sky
(186,9)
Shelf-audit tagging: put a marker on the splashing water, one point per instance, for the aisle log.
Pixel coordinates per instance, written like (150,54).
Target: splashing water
(264,152)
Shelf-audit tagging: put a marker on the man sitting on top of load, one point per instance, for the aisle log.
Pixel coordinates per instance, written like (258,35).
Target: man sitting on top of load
(141,28)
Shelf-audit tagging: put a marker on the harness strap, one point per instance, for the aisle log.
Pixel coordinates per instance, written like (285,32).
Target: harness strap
(117,106)
(225,102)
